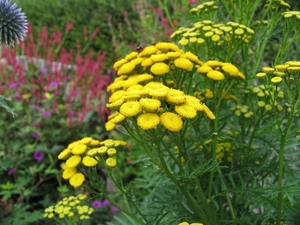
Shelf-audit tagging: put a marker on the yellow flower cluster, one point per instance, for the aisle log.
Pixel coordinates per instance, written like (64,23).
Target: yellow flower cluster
(224,150)
(242,110)
(274,223)
(205,7)
(87,152)
(279,71)
(186,223)
(207,30)
(71,207)
(217,71)
(291,14)
(138,92)
(278,4)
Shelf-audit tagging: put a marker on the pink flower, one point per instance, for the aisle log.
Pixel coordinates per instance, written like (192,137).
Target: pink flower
(46,114)
(114,208)
(69,26)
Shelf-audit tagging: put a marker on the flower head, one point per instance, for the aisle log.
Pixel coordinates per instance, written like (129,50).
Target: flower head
(12,171)
(13,23)
(171,121)
(96,204)
(38,156)
(148,121)
(77,179)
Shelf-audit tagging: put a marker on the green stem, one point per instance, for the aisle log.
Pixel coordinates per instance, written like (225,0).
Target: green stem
(281,159)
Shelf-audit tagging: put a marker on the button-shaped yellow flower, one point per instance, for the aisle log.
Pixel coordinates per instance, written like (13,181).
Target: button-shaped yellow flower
(171,121)
(215,75)
(79,149)
(111,162)
(160,68)
(183,63)
(76,180)
(186,111)
(148,121)
(126,68)
(130,109)
(89,161)
(73,161)
(150,104)
(69,172)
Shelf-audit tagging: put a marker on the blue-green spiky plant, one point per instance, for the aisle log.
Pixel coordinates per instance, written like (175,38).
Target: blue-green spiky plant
(13,23)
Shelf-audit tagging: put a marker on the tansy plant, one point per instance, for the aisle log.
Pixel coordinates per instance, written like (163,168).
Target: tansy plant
(214,122)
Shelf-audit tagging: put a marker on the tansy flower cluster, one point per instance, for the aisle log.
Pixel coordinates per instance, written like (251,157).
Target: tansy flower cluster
(70,208)
(292,14)
(87,153)
(205,7)
(208,94)
(242,110)
(216,70)
(208,31)
(224,150)
(278,4)
(186,223)
(138,92)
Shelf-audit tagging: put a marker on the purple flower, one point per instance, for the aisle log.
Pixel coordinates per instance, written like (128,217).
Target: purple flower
(53,84)
(12,171)
(96,204)
(71,113)
(36,124)
(38,156)
(46,114)
(105,202)
(114,208)
(35,135)
(38,107)
(13,85)
(43,70)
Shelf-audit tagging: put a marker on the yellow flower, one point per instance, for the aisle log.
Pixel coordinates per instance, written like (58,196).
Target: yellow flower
(194,102)
(73,161)
(183,223)
(215,38)
(150,104)
(72,145)
(102,150)
(230,69)
(116,96)
(126,68)
(111,162)
(204,69)
(92,152)
(276,80)
(89,161)
(193,57)
(183,63)
(79,149)
(183,41)
(85,140)
(171,121)
(69,172)
(186,111)
(76,180)
(149,50)
(214,63)
(119,63)
(175,96)
(200,41)
(215,75)
(173,54)
(293,63)
(209,113)
(64,154)
(94,143)
(268,69)
(147,62)
(131,108)
(159,57)
(115,104)
(157,89)
(109,126)
(148,121)
(160,68)
(239,31)
(131,56)
(111,151)
(117,119)
(281,68)
(260,75)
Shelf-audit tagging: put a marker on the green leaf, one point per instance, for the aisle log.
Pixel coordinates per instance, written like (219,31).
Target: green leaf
(4,104)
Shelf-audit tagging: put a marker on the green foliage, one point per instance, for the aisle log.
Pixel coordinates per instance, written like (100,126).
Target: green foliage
(89,14)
